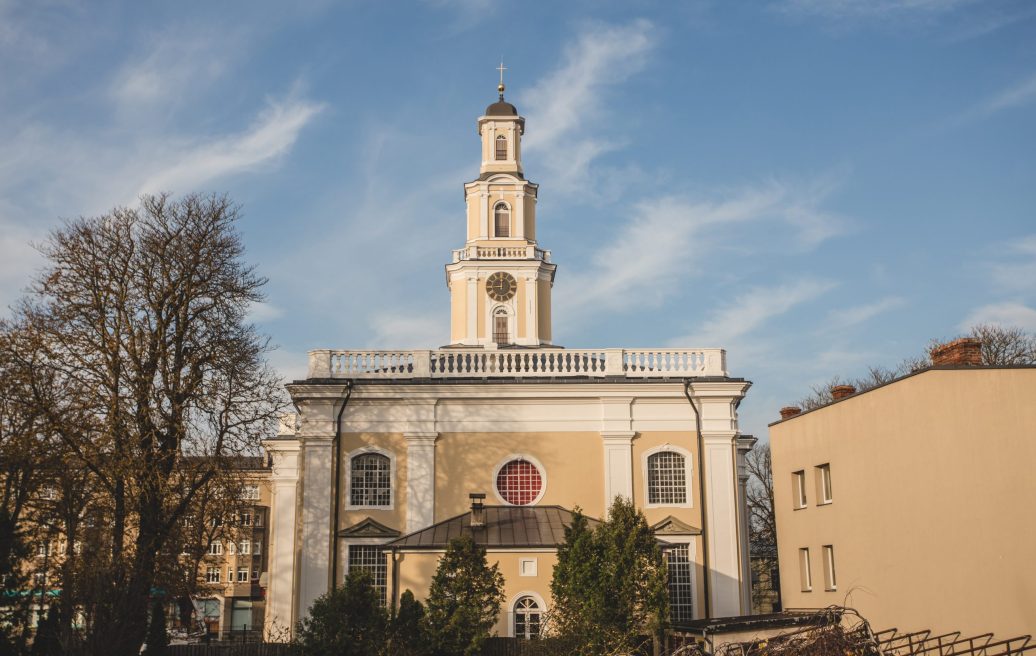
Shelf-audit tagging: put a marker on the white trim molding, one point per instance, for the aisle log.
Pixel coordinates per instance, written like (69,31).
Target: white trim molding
(618,465)
(420,479)
(688,475)
(526,457)
(349,477)
(514,600)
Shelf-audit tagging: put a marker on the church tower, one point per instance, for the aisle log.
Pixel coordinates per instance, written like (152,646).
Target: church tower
(500,281)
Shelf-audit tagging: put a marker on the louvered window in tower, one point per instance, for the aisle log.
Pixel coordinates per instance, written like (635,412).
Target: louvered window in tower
(501,147)
(501,334)
(501,220)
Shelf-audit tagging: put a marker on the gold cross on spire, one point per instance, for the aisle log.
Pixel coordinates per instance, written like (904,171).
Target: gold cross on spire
(501,68)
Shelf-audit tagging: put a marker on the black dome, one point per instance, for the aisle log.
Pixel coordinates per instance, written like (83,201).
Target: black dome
(501,108)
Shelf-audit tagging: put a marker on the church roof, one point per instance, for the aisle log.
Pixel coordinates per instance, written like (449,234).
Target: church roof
(505,526)
(501,108)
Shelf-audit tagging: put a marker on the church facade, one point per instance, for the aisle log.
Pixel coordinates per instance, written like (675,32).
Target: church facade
(501,433)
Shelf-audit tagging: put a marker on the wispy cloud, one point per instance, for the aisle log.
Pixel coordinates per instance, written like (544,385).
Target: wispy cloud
(172,63)
(671,238)
(1014,267)
(273,134)
(868,9)
(573,96)
(392,330)
(853,316)
(1021,93)
(1009,314)
(750,311)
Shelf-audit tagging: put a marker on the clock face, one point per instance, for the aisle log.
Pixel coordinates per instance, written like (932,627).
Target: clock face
(501,286)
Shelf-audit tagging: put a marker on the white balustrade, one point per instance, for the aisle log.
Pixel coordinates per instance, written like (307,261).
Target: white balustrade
(518,363)
(501,253)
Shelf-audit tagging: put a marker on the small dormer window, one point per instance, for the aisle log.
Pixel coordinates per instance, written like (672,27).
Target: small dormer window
(501,220)
(501,147)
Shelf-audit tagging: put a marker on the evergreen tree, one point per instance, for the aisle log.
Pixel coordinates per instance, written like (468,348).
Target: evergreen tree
(609,585)
(464,600)
(347,621)
(407,630)
(157,636)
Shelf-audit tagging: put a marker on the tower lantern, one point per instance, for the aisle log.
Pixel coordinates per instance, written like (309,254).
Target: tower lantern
(500,281)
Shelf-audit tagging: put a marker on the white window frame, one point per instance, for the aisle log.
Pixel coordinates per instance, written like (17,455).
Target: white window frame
(688,476)
(213,570)
(215,548)
(514,600)
(510,220)
(805,570)
(245,547)
(823,478)
(692,555)
(393,483)
(366,542)
(536,463)
(243,570)
(830,579)
(798,483)
(247,492)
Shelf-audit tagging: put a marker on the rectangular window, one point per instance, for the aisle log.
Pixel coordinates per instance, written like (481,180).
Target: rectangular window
(244,548)
(212,574)
(830,583)
(246,519)
(805,576)
(215,548)
(258,518)
(255,573)
(242,575)
(231,548)
(681,583)
(372,559)
(798,488)
(824,484)
(250,492)
(257,547)
(39,578)
(501,335)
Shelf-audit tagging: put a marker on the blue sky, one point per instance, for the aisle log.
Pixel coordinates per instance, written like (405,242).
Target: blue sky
(815,186)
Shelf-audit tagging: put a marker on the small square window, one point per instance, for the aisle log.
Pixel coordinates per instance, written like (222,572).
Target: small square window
(527,567)
(242,575)
(824,492)
(805,576)
(798,488)
(830,583)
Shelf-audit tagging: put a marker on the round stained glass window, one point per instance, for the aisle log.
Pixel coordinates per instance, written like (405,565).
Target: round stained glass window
(519,482)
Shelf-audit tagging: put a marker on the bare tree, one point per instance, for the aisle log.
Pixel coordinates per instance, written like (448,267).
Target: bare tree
(141,315)
(1004,345)
(762,521)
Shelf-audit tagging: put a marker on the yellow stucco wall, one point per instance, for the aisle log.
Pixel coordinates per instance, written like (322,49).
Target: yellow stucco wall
(416,569)
(394,442)
(933,502)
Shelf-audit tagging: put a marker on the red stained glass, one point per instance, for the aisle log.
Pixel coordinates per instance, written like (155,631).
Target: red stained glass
(519,482)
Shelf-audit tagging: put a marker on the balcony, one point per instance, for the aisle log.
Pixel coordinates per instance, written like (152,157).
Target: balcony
(501,253)
(518,363)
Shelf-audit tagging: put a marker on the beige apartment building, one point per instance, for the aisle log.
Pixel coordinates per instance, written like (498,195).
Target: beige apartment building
(232,575)
(378,470)
(915,502)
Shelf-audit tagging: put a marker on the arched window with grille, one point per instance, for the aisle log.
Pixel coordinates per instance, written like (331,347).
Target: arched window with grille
(527,613)
(370,481)
(501,220)
(667,478)
(501,147)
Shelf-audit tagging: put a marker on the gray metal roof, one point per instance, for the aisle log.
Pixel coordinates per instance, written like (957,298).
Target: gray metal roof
(506,526)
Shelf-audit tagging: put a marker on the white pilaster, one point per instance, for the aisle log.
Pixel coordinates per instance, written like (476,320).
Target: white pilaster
(519,211)
(284,480)
(483,221)
(721,509)
(315,545)
(618,465)
(531,306)
(472,311)
(420,480)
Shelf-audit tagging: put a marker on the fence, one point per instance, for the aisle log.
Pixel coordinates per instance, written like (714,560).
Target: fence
(238,649)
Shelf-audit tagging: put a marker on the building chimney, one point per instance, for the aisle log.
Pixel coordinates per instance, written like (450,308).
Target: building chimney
(839,392)
(478,510)
(963,352)
(790,411)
